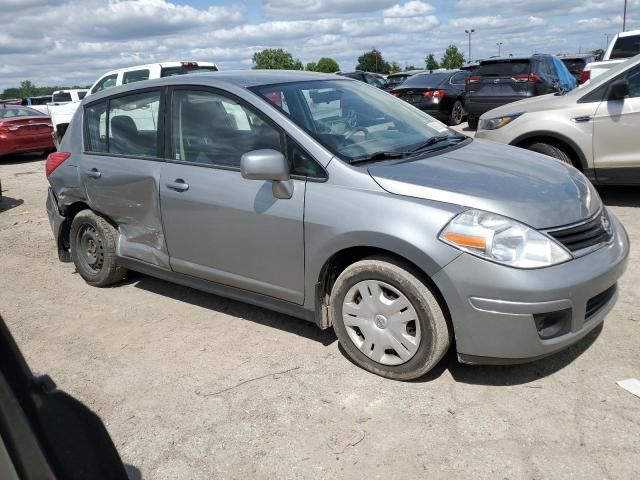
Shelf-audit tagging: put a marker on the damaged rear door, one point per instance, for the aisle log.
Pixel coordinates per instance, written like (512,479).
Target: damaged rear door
(121,170)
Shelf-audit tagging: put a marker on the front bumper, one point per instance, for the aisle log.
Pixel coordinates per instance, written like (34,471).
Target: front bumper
(493,307)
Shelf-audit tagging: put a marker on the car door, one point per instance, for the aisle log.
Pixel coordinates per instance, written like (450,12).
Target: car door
(120,170)
(220,226)
(616,143)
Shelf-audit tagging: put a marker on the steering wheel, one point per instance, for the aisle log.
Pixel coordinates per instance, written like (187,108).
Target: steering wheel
(353,131)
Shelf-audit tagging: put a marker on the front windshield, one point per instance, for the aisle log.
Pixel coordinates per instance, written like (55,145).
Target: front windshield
(358,122)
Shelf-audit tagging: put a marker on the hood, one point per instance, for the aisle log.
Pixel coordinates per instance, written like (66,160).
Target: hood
(526,186)
(541,103)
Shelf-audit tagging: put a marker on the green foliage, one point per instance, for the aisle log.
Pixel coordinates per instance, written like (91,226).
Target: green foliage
(394,67)
(324,65)
(28,89)
(598,52)
(452,58)
(373,62)
(276,59)
(410,67)
(431,62)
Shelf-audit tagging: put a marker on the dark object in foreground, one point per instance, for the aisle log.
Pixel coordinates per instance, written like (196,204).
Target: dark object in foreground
(45,433)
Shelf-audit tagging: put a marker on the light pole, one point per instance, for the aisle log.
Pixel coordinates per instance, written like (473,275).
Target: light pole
(624,18)
(469,32)
(499,44)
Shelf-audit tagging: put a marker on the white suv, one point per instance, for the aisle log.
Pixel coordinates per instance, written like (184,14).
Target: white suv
(62,115)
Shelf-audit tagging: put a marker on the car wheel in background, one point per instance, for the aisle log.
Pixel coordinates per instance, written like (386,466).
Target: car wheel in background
(551,151)
(387,320)
(457,114)
(93,249)
(472,120)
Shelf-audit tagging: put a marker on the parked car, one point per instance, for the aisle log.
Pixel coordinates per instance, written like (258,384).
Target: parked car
(365,77)
(396,79)
(441,95)
(24,130)
(576,63)
(594,128)
(38,103)
(61,116)
(623,45)
(61,109)
(498,81)
(401,235)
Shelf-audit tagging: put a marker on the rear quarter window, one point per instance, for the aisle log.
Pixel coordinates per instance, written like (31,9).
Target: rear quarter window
(135,76)
(626,47)
(95,124)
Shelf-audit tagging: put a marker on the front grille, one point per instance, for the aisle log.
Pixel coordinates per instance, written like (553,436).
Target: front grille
(599,301)
(592,233)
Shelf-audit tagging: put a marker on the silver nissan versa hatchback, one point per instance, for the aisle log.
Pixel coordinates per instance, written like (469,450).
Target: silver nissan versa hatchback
(327,199)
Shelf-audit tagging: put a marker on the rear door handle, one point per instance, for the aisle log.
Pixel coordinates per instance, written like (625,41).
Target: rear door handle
(94,173)
(179,185)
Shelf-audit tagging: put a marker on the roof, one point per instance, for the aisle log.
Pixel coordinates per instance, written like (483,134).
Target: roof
(239,78)
(630,33)
(565,56)
(512,59)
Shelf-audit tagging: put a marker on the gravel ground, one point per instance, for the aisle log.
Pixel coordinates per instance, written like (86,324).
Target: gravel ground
(195,386)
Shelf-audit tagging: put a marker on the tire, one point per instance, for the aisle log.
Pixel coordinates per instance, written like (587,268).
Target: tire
(472,120)
(457,114)
(426,323)
(551,151)
(93,243)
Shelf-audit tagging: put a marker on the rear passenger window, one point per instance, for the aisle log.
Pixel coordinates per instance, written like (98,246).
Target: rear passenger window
(133,124)
(135,76)
(96,128)
(214,130)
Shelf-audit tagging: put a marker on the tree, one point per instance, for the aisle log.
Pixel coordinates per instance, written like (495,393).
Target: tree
(452,58)
(598,52)
(311,67)
(327,65)
(431,62)
(373,62)
(275,59)
(27,89)
(410,67)
(394,67)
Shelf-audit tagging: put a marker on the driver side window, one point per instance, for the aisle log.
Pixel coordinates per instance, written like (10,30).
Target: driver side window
(633,77)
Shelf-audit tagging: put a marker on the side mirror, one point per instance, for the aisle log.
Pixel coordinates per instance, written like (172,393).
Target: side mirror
(619,89)
(264,165)
(268,165)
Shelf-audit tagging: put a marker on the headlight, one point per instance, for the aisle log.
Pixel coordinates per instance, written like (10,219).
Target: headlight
(498,122)
(502,240)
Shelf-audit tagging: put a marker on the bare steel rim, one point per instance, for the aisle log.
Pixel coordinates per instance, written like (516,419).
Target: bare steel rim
(381,321)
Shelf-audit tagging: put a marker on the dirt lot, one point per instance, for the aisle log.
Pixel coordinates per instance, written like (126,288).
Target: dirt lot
(195,386)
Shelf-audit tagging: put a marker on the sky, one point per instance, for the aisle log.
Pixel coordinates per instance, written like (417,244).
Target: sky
(73,42)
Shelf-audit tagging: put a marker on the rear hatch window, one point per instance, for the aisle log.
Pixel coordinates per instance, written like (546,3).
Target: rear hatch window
(574,64)
(503,69)
(626,47)
(62,97)
(183,70)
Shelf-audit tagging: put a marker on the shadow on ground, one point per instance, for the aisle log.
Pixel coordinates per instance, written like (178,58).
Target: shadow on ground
(620,196)
(232,307)
(7,203)
(18,158)
(132,472)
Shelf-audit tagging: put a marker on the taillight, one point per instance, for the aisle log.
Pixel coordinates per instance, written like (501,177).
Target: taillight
(54,160)
(434,94)
(188,64)
(472,79)
(532,77)
(585,76)
(395,94)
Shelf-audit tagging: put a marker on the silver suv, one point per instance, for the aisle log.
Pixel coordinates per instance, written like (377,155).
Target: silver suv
(325,198)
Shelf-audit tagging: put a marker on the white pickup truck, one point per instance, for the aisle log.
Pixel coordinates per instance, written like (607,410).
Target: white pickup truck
(62,115)
(624,45)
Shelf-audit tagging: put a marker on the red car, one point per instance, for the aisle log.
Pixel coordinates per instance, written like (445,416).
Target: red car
(23,129)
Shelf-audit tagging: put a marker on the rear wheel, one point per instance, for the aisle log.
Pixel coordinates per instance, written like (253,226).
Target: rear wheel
(551,150)
(472,120)
(387,320)
(457,114)
(93,249)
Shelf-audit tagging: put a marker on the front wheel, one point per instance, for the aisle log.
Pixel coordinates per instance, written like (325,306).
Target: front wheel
(551,151)
(387,320)
(93,243)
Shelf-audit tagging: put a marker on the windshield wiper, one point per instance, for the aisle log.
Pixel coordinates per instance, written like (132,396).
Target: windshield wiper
(436,139)
(391,155)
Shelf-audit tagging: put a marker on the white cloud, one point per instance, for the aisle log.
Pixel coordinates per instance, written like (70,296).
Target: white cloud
(414,8)
(321,8)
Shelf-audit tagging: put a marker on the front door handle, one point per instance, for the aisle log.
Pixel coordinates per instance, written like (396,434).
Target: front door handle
(179,185)
(94,173)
